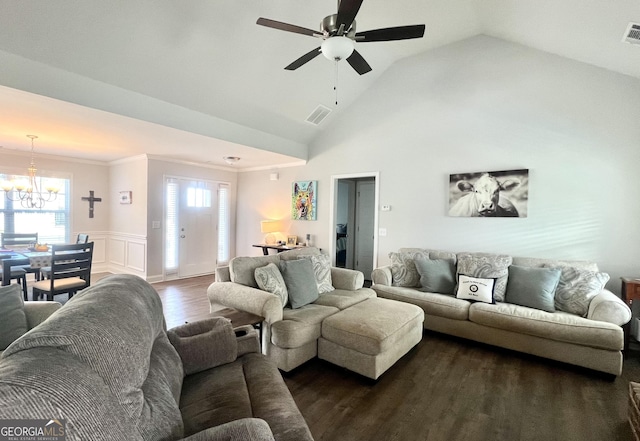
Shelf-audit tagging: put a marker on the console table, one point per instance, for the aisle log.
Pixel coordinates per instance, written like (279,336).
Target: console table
(279,248)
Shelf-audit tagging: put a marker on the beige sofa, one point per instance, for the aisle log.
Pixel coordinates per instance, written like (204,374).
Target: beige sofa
(346,325)
(594,341)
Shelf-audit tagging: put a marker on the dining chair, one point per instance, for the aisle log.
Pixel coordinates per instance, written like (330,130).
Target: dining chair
(21,240)
(70,271)
(45,270)
(18,274)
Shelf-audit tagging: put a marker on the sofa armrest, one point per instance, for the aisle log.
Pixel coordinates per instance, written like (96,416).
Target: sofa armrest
(223,274)
(204,344)
(38,312)
(348,279)
(248,341)
(253,429)
(607,307)
(382,276)
(246,298)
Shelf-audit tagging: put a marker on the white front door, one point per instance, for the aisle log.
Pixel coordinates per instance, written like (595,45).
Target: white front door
(190,236)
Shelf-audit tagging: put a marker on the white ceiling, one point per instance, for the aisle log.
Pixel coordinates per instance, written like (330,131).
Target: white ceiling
(199,80)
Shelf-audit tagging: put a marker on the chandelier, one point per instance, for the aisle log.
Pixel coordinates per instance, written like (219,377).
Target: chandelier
(29,193)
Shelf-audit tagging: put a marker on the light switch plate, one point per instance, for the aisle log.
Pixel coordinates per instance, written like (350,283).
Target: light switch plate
(382,232)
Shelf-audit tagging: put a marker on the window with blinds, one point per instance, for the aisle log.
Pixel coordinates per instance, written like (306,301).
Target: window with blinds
(171,228)
(51,222)
(224,230)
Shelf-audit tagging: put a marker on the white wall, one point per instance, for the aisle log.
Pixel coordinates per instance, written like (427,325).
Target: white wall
(476,105)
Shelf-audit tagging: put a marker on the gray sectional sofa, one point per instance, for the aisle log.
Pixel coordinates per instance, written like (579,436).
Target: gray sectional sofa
(591,337)
(105,366)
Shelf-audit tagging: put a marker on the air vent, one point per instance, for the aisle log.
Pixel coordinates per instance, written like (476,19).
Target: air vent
(318,115)
(632,35)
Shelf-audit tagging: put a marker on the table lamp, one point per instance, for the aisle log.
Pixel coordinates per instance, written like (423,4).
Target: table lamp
(270,227)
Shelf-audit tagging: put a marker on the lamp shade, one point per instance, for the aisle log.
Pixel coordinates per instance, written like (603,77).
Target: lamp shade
(270,226)
(337,48)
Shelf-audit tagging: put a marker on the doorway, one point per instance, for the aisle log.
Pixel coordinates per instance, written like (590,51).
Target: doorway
(355,220)
(190,228)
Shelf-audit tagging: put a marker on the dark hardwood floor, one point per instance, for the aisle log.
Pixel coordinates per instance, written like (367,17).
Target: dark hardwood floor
(446,389)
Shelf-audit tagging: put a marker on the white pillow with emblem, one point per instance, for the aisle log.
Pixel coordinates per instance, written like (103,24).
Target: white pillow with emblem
(475,289)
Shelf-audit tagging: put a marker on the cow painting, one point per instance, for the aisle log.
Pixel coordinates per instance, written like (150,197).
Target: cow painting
(485,197)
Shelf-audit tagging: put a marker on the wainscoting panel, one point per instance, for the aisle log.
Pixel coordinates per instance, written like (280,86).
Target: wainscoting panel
(127,254)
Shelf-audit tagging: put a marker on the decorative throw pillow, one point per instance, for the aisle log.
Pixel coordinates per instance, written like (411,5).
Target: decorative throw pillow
(436,275)
(576,288)
(476,289)
(489,266)
(532,287)
(13,321)
(269,279)
(300,280)
(403,269)
(322,271)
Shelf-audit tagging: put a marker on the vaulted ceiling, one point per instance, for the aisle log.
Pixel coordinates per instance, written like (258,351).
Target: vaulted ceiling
(199,80)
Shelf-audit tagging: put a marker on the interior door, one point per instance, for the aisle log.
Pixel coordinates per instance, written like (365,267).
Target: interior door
(197,243)
(364,214)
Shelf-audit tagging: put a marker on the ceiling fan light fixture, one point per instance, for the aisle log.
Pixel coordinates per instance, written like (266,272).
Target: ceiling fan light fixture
(337,48)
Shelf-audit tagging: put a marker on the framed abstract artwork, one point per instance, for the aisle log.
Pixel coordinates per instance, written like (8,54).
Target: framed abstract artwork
(303,200)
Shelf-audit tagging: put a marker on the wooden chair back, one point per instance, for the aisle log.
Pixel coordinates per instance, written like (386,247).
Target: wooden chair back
(82,238)
(10,240)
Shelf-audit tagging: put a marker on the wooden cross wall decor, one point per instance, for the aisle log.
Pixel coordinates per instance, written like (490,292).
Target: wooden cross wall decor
(91,200)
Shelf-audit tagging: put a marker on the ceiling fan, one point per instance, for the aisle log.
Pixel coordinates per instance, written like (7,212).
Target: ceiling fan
(339,34)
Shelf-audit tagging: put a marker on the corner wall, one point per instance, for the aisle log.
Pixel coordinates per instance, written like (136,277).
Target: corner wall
(476,105)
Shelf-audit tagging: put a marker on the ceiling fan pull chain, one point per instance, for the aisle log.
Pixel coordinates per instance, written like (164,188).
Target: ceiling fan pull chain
(335,84)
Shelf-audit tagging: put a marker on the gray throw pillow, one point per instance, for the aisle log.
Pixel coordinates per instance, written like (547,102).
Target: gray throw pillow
(488,266)
(532,287)
(300,280)
(322,271)
(13,321)
(269,279)
(576,288)
(436,275)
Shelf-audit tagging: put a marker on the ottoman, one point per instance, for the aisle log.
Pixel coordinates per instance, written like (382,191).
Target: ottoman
(370,336)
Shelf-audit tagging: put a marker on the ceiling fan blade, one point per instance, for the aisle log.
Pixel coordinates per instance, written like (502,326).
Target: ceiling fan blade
(347,12)
(358,63)
(287,27)
(390,34)
(304,59)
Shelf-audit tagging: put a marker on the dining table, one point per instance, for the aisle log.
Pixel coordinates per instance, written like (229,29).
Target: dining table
(19,257)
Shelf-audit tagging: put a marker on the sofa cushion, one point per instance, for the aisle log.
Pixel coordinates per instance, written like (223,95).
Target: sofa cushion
(373,326)
(403,268)
(242,269)
(532,287)
(558,326)
(577,287)
(300,326)
(322,271)
(13,321)
(300,280)
(487,266)
(475,289)
(342,299)
(437,275)
(431,253)
(270,279)
(440,305)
